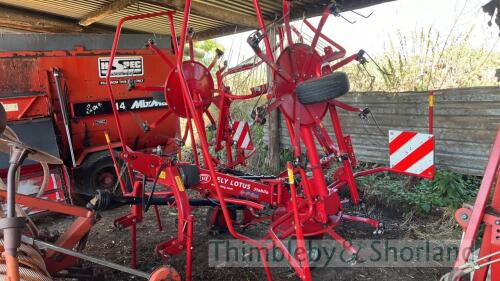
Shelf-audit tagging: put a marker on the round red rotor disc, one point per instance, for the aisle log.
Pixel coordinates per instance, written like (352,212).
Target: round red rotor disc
(302,63)
(200,83)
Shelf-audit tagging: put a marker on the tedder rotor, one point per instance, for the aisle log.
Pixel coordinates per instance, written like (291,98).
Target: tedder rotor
(301,201)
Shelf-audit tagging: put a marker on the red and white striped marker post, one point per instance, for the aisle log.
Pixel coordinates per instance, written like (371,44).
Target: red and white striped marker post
(242,136)
(411,153)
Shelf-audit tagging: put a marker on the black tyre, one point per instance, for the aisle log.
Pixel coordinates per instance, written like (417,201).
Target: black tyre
(98,172)
(323,89)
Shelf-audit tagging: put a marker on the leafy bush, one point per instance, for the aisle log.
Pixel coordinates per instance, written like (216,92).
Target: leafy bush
(446,190)
(286,155)
(424,61)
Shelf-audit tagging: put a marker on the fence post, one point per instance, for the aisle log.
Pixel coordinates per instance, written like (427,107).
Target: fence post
(273,132)
(431,112)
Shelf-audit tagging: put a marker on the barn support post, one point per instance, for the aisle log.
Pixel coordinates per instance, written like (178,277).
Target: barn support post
(273,132)
(274,142)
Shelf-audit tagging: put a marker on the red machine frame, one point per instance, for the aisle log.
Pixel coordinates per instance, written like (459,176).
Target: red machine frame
(302,208)
(487,213)
(75,233)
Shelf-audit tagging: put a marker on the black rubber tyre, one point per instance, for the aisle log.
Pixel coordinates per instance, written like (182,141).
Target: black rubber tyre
(98,172)
(323,89)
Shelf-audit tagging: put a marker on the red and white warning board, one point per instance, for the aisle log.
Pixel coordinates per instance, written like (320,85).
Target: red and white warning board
(411,153)
(241,135)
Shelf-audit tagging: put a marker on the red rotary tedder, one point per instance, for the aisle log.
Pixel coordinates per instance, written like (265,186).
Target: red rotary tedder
(305,85)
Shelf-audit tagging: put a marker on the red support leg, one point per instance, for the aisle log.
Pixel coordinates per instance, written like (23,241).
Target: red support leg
(193,143)
(371,222)
(343,152)
(267,270)
(482,273)
(472,219)
(301,251)
(346,244)
(158,218)
(318,176)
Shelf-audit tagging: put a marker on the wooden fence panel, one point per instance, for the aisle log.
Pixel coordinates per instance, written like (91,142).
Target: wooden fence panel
(465,122)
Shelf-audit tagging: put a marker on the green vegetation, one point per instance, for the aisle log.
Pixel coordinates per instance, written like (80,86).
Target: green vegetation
(448,190)
(204,51)
(426,61)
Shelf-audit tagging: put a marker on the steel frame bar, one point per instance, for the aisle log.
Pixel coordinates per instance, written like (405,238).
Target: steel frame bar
(73,234)
(322,21)
(318,177)
(343,154)
(111,60)
(44,245)
(340,54)
(161,54)
(301,246)
(477,217)
(115,164)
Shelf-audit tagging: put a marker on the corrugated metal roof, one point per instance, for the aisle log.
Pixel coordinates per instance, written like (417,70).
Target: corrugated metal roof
(159,24)
(69,8)
(75,10)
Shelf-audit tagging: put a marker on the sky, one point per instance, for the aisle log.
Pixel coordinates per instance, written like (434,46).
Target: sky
(373,34)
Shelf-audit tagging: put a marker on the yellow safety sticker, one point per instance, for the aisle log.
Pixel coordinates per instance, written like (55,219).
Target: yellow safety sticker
(290,175)
(107,137)
(163,175)
(180,185)
(431,101)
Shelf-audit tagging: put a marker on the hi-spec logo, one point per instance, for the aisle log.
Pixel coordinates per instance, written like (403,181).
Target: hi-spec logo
(122,66)
(204,178)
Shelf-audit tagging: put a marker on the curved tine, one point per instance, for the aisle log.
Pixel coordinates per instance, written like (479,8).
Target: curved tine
(361,15)
(347,20)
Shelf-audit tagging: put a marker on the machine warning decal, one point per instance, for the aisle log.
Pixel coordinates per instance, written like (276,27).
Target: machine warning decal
(104,107)
(122,66)
(101,122)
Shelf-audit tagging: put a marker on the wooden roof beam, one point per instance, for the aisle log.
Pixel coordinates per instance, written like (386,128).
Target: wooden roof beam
(209,11)
(105,11)
(33,21)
